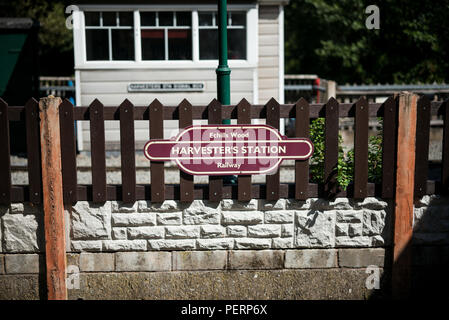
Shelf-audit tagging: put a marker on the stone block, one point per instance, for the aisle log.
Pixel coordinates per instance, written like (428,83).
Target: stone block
(237,231)
(215,244)
(355,229)
(95,245)
(121,207)
(143,261)
(264,231)
(359,258)
(373,222)
(287,230)
(251,259)
(96,262)
(91,221)
(372,204)
(199,260)
(235,205)
(311,258)
(119,234)
(125,245)
(22,233)
(171,244)
(2,264)
(169,218)
(22,263)
(315,229)
(282,243)
(212,231)
(133,219)
(242,218)
(279,216)
(346,241)
(146,233)
(252,243)
(349,216)
(200,212)
(279,204)
(182,232)
(166,206)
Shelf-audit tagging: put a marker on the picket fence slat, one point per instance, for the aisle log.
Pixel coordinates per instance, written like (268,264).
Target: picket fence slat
(5,161)
(422,147)
(361,149)
(302,166)
(273,180)
(244,181)
(98,152)
(127,152)
(445,159)
(33,150)
(389,141)
(68,152)
(215,182)
(157,167)
(186,180)
(331,148)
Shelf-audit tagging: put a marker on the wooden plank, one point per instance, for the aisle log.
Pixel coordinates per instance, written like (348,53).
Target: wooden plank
(403,214)
(127,152)
(215,182)
(230,112)
(157,167)
(55,255)
(302,130)
(361,149)
(68,152)
(422,147)
(389,140)
(5,161)
(331,148)
(186,180)
(273,180)
(445,160)
(33,150)
(244,181)
(98,155)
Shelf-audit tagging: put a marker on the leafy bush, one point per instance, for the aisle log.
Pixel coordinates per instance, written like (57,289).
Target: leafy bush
(345,165)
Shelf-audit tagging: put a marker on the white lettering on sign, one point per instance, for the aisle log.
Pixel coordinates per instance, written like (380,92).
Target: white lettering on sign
(165,87)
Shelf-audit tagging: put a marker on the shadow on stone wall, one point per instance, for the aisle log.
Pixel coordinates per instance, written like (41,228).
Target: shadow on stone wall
(428,254)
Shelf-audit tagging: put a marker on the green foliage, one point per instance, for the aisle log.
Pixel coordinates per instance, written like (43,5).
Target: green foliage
(345,164)
(329,38)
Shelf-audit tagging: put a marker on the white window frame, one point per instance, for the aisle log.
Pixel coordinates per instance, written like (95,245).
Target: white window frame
(80,44)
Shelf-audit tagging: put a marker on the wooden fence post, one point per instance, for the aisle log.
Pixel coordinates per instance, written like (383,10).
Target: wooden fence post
(55,254)
(403,213)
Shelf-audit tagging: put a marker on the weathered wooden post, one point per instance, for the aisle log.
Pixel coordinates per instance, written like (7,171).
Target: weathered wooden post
(55,254)
(403,212)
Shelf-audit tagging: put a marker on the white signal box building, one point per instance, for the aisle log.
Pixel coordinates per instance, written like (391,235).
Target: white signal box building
(168,50)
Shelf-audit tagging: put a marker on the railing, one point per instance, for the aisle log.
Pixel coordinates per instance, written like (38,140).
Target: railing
(186,190)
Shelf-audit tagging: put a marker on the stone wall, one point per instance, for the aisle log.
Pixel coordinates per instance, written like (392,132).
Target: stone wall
(217,244)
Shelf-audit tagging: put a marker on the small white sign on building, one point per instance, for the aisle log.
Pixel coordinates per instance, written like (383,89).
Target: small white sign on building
(166,87)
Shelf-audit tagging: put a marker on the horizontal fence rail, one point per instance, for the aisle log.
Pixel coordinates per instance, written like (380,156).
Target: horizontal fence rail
(186,191)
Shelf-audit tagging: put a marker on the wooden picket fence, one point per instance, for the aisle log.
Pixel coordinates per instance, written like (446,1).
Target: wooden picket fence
(186,191)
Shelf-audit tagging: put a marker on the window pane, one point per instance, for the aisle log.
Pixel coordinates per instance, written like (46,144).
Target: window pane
(148,18)
(236,44)
(238,18)
(92,18)
(122,44)
(179,45)
(153,47)
(97,47)
(205,18)
(208,44)
(126,19)
(183,19)
(165,18)
(109,19)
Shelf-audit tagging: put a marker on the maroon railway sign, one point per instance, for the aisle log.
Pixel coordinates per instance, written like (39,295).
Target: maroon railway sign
(229,149)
